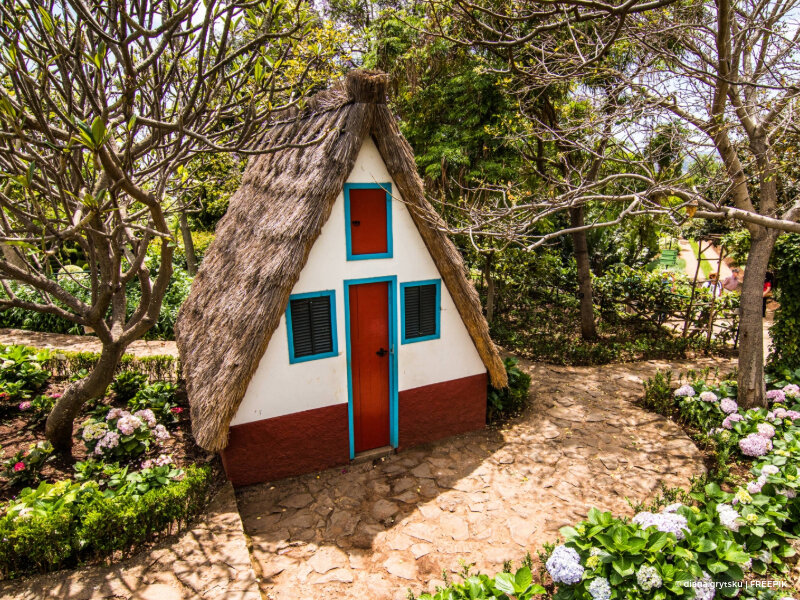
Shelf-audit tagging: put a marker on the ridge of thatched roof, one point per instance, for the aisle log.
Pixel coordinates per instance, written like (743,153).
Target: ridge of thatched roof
(263,241)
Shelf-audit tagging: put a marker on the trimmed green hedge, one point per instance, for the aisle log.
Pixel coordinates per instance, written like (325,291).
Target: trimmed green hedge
(94,525)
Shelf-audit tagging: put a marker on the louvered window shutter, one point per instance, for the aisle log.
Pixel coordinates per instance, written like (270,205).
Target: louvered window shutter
(420,307)
(311,326)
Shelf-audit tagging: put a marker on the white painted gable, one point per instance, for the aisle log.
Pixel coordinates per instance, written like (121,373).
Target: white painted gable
(279,387)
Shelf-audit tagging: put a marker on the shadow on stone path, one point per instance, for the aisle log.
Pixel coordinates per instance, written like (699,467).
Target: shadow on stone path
(373,530)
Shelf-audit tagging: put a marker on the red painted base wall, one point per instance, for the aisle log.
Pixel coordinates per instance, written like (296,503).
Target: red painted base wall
(311,440)
(314,440)
(432,412)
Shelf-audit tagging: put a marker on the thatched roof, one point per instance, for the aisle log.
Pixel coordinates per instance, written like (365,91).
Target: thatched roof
(262,244)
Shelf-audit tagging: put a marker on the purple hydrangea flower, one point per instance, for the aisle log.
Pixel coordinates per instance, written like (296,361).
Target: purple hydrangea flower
(728,405)
(685,391)
(755,445)
(732,418)
(667,522)
(704,588)
(564,565)
(599,589)
(728,516)
(776,396)
(788,492)
(708,397)
(766,430)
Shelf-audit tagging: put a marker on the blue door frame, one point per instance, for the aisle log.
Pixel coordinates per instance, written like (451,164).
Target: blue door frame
(393,410)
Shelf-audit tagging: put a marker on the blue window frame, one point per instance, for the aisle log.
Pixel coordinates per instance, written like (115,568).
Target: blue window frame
(387,187)
(420,310)
(311,326)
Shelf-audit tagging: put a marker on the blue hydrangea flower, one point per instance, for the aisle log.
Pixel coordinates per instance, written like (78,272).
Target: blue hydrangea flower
(600,589)
(564,565)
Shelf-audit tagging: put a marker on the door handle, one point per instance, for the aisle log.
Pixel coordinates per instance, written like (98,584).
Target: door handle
(382,352)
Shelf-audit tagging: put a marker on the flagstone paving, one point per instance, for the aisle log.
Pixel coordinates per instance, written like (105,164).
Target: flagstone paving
(373,530)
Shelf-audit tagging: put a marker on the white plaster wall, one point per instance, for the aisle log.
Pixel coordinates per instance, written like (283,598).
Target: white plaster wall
(279,387)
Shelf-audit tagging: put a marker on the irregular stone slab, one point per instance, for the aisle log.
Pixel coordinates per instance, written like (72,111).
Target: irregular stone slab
(400,567)
(297,500)
(453,526)
(327,558)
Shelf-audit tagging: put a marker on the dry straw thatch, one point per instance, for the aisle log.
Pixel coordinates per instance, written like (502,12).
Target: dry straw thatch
(263,242)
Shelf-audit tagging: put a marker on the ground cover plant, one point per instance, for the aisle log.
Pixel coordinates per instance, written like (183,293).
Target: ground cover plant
(736,525)
(138,475)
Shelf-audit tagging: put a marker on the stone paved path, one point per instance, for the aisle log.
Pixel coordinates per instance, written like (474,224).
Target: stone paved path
(81,343)
(373,530)
(209,561)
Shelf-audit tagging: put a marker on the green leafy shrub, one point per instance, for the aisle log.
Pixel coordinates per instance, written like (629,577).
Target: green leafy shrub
(21,372)
(25,466)
(160,398)
(503,586)
(127,384)
(158,367)
(509,401)
(658,393)
(62,524)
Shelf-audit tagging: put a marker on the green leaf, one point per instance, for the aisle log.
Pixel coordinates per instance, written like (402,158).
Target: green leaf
(717,567)
(523,579)
(505,583)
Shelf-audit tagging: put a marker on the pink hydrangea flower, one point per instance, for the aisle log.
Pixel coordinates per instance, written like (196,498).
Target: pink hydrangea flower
(147,416)
(754,445)
(115,413)
(176,410)
(55,396)
(776,396)
(708,397)
(731,419)
(685,390)
(24,405)
(728,406)
(754,487)
(791,390)
(782,413)
(766,430)
(20,466)
(128,423)
(160,432)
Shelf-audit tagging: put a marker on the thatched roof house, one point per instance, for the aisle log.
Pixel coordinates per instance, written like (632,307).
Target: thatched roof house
(341,155)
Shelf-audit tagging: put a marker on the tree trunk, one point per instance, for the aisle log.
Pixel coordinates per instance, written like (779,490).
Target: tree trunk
(751,350)
(489,287)
(581,247)
(58,428)
(188,245)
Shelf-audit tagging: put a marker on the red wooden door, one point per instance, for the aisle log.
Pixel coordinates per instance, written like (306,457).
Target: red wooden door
(368,232)
(369,364)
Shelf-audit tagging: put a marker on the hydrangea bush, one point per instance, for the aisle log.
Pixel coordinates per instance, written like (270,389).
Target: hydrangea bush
(122,435)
